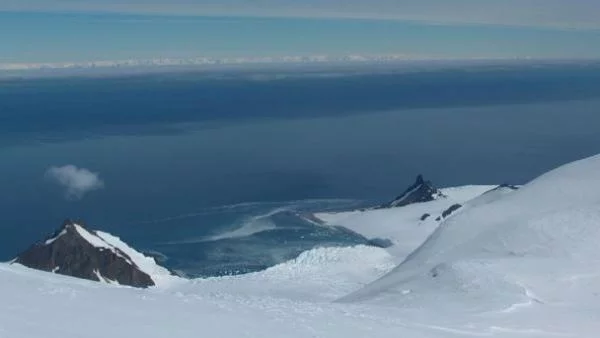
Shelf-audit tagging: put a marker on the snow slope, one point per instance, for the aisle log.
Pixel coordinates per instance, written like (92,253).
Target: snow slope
(320,275)
(530,250)
(291,300)
(161,276)
(508,264)
(403,225)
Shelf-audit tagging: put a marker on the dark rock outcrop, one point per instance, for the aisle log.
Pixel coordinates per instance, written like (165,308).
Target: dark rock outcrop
(420,191)
(380,242)
(76,251)
(424,217)
(507,186)
(450,210)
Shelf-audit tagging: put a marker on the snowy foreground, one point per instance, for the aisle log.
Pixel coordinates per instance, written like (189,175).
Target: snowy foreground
(509,263)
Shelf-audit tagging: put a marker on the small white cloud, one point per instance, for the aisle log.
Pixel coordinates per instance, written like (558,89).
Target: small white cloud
(76,181)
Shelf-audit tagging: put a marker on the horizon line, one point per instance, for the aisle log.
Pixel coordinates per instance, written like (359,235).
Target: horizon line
(258,60)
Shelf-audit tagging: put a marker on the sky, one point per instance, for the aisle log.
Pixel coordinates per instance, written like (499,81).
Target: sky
(77,31)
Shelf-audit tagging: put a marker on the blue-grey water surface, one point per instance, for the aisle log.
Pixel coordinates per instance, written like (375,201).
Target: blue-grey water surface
(208,172)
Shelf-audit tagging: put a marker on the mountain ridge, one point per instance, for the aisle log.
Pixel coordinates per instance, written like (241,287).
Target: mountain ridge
(76,251)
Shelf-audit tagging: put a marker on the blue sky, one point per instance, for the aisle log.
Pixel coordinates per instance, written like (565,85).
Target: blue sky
(60,30)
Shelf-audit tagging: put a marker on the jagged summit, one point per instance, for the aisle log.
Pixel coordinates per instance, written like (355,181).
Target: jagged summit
(420,191)
(76,251)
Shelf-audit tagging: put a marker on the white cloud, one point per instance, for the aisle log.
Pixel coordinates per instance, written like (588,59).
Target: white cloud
(76,181)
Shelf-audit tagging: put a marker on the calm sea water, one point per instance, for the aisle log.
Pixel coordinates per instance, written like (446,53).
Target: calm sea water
(207,170)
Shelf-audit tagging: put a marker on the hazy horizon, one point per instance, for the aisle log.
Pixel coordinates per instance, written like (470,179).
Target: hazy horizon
(92,36)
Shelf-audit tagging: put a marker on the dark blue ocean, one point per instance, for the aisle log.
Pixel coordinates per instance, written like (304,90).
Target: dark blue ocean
(208,170)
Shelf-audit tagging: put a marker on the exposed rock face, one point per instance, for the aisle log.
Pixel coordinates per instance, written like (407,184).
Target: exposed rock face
(507,186)
(76,251)
(450,210)
(420,191)
(380,242)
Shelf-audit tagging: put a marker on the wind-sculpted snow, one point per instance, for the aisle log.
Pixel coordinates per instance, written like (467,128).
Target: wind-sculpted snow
(160,275)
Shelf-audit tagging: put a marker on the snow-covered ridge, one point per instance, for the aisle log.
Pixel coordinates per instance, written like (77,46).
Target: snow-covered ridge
(406,226)
(97,241)
(508,247)
(160,275)
(106,241)
(52,239)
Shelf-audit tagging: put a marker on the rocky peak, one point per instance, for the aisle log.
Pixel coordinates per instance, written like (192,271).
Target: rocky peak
(76,251)
(420,191)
